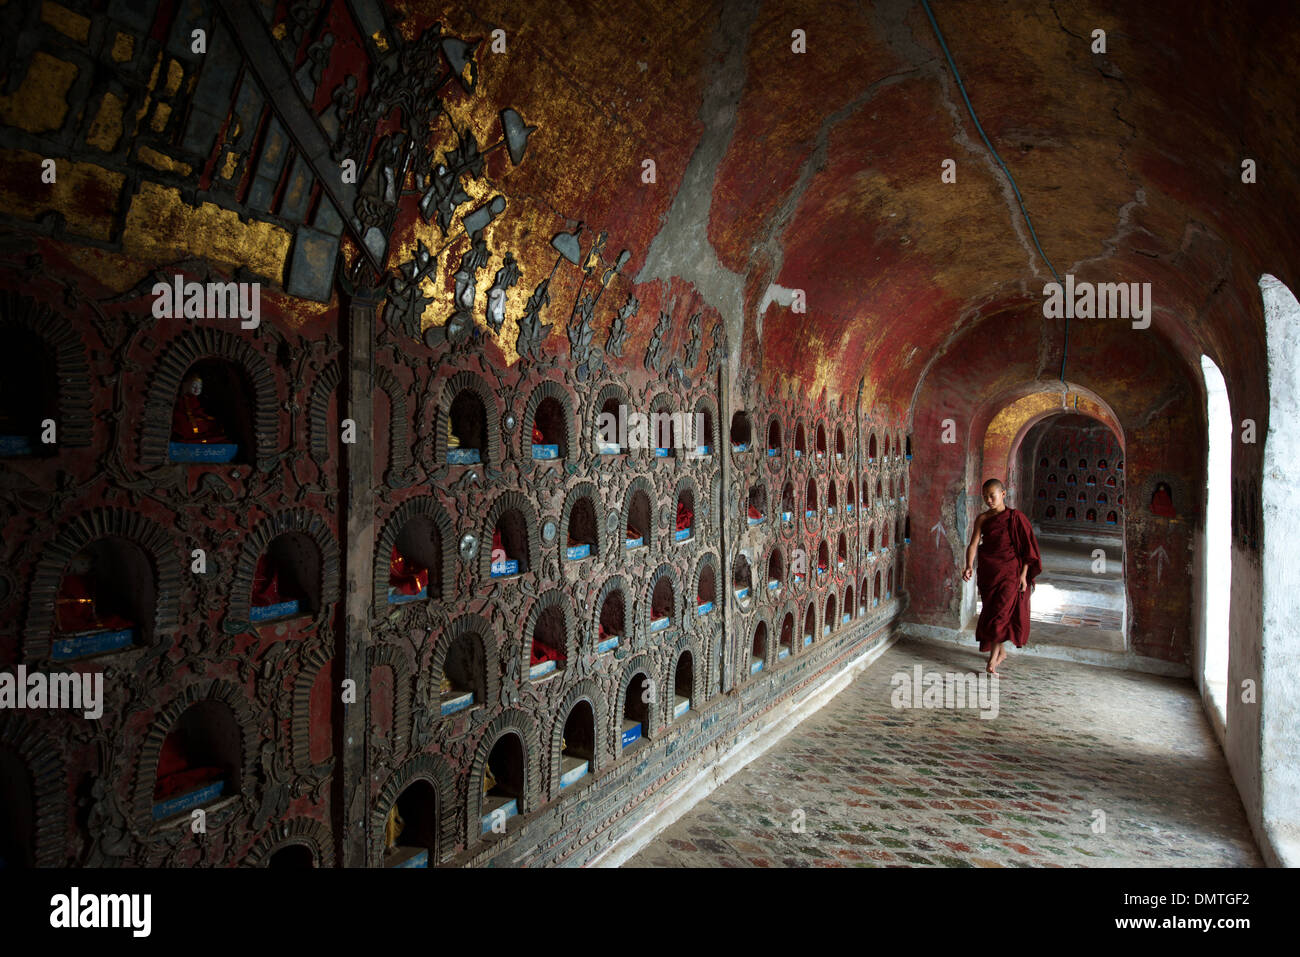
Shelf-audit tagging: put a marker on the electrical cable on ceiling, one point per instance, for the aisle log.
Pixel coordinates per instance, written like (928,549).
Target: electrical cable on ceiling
(1011,179)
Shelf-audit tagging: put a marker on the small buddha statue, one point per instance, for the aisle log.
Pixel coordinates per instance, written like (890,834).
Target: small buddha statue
(754,513)
(392,829)
(191,422)
(453,440)
(444,686)
(404,576)
(75,606)
(489,780)
(538,438)
(1162,502)
(266,583)
(684,516)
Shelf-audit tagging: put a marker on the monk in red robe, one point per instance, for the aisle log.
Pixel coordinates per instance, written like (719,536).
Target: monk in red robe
(1008,564)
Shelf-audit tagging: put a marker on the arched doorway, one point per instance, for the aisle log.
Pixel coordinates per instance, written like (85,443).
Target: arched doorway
(1067,472)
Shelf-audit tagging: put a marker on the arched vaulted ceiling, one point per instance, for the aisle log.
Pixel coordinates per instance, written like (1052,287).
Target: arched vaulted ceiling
(821,170)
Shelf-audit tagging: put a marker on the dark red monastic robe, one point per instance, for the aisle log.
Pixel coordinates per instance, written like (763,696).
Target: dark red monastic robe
(1007,545)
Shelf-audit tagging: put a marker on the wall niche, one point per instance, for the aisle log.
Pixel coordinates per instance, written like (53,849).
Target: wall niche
(706,591)
(461,672)
(550,629)
(611,619)
(774,438)
(510,537)
(286,580)
(200,760)
(610,437)
(683,684)
(577,744)
(29,393)
(663,598)
(503,783)
(467,433)
(685,523)
(212,415)
(415,561)
(785,643)
(775,571)
(758,648)
(411,827)
(635,724)
(547,426)
(637,521)
(742,439)
(742,578)
(582,524)
(706,417)
(787,504)
(105,600)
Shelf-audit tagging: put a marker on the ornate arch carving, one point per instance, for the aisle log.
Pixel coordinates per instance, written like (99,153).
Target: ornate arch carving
(423,767)
(165,383)
(224,692)
(304,522)
(589,491)
(589,691)
(505,502)
(517,722)
(312,834)
(702,524)
(399,474)
(318,405)
(389,656)
(447,394)
(613,583)
(642,664)
(489,645)
(30,743)
(422,506)
(553,598)
(151,538)
(550,389)
(70,364)
(300,720)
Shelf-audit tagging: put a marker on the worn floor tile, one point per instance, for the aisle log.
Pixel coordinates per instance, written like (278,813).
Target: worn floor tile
(1071,747)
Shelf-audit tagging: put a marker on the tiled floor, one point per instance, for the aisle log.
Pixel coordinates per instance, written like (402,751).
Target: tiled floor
(875,785)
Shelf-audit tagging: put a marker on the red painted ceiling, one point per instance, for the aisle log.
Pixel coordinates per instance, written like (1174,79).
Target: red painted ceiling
(821,170)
